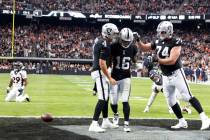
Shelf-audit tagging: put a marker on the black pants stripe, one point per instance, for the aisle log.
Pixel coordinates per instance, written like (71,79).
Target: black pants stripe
(102,86)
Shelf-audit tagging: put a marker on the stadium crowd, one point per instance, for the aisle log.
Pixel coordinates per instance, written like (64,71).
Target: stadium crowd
(136,7)
(50,41)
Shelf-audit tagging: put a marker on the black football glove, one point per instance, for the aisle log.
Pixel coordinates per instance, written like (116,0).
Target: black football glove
(21,90)
(8,90)
(136,36)
(155,58)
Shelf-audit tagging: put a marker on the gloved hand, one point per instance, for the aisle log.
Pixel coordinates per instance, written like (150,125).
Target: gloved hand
(155,58)
(21,89)
(136,36)
(8,90)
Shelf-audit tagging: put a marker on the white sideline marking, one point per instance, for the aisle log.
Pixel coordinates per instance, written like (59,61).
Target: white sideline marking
(137,98)
(87,85)
(88,89)
(81,82)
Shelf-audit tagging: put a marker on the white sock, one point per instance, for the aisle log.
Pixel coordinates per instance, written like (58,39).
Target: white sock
(182,120)
(126,123)
(94,122)
(105,119)
(203,116)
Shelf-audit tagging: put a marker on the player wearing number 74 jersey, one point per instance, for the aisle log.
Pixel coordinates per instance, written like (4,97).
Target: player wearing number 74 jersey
(168,51)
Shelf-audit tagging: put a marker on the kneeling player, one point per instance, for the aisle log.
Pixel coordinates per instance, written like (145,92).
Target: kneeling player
(157,87)
(18,82)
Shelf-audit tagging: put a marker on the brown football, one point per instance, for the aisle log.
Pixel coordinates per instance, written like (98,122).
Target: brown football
(47,117)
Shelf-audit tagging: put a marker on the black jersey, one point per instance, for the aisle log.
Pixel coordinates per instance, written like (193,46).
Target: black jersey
(100,51)
(163,49)
(121,59)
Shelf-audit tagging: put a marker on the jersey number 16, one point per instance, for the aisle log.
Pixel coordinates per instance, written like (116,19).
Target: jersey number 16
(125,63)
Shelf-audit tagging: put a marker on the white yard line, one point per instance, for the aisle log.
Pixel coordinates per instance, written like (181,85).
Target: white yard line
(82,83)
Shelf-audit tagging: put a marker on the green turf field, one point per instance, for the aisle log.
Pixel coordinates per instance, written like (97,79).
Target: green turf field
(72,96)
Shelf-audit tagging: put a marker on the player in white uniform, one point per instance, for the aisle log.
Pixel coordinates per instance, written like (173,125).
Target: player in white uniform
(18,82)
(157,87)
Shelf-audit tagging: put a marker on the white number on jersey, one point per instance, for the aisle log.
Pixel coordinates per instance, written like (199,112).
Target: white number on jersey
(125,63)
(164,52)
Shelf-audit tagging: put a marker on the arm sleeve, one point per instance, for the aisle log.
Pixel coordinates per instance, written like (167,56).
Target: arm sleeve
(104,52)
(134,54)
(24,74)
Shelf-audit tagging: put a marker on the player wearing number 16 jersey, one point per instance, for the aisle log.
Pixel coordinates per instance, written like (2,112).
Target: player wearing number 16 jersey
(123,53)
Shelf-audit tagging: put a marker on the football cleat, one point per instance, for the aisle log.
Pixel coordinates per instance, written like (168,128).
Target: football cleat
(126,128)
(181,124)
(146,109)
(107,124)
(115,119)
(205,124)
(94,127)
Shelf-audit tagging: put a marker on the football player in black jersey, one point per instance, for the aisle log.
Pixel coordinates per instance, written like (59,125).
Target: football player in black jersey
(168,51)
(101,62)
(123,53)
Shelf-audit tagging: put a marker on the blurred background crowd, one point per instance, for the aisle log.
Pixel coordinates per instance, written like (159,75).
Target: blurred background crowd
(75,42)
(120,6)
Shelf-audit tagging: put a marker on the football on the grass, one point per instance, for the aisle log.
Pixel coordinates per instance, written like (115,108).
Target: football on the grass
(47,117)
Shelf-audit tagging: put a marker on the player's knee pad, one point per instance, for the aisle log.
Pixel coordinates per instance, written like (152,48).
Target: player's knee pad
(185,97)
(171,101)
(125,98)
(113,99)
(125,95)
(103,94)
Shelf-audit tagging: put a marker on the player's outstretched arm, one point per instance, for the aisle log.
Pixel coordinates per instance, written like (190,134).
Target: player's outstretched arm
(140,44)
(174,55)
(144,46)
(10,85)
